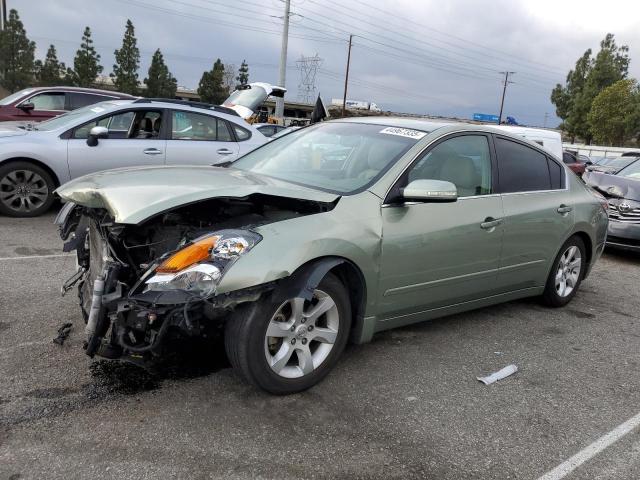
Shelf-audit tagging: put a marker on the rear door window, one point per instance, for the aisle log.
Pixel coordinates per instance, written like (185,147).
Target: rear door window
(196,126)
(521,168)
(79,100)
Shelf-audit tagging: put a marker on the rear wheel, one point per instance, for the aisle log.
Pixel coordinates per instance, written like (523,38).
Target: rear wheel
(290,346)
(26,190)
(566,274)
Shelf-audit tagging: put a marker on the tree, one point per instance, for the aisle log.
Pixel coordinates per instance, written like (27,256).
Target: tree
(51,71)
(243,74)
(125,70)
(86,64)
(611,115)
(229,77)
(160,83)
(211,88)
(16,55)
(563,97)
(590,76)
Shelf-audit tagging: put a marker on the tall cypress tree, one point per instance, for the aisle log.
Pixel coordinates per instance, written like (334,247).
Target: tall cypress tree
(51,71)
(16,55)
(125,70)
(243,74)
(160,83)
(211,87)
(86,64)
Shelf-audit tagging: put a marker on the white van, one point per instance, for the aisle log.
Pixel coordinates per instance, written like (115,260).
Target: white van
(550,140)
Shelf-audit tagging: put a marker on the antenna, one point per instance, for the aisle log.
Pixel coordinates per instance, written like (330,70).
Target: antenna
(308,67)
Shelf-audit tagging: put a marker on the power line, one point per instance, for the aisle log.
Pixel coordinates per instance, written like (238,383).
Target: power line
(474,44)
(392,42)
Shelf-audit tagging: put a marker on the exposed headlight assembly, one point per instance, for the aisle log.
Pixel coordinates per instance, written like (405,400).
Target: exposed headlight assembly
(199,266)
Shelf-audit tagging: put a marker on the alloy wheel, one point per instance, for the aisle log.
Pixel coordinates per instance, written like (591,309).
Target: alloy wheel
(23,190)
(568,272)
(301,335)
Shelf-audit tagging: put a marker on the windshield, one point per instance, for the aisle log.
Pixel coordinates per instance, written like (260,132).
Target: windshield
(251,98)
(84,113)
(631,171)
(337,157)
(15,96)
(619,163)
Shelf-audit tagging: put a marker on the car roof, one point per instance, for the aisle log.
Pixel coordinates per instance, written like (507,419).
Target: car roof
(83,90)
(401,122)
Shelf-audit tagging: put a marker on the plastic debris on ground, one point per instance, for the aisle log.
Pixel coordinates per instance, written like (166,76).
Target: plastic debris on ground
(63,333)
(499,375)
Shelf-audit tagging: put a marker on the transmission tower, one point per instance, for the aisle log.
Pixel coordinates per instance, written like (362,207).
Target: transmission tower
(308,67)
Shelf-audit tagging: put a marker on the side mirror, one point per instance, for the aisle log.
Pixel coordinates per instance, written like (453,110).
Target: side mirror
(26,107)
(95,133)
(429,191)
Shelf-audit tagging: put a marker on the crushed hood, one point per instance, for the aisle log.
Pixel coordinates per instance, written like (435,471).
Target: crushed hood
(131,195)
(607,184)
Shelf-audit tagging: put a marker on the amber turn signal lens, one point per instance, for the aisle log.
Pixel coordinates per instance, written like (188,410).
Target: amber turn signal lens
(194,253)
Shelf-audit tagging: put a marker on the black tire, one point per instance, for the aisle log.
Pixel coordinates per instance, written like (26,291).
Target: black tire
(245,336)
(37,179)
(551,297)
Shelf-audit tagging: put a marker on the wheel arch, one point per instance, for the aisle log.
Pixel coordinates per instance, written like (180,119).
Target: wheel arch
(588,245)
(306,278)
(38,163)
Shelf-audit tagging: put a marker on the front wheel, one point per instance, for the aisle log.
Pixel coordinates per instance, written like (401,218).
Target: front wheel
(290,346)
(566,274)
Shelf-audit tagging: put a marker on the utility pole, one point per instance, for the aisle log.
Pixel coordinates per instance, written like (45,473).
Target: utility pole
(346,78)
(504,91)
(283,59)
(546,115)
(3,14)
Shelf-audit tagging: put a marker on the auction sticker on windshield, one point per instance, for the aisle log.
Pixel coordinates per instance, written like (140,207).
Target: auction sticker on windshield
(403,132)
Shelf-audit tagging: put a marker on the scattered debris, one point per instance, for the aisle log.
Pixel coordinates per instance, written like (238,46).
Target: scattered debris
(499,375)
(63,333)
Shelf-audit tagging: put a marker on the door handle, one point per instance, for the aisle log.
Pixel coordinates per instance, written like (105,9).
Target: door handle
(490,223)
(151,151)
(564,209)
(224,151)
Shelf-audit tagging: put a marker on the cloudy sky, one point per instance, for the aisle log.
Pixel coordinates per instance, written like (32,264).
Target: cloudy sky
(427,56)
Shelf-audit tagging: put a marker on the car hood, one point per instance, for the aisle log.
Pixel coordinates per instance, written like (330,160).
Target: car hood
(132,195)
(614,186)
(11,130)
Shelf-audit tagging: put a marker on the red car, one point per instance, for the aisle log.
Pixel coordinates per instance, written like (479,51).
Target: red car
(42,103)
(573,163)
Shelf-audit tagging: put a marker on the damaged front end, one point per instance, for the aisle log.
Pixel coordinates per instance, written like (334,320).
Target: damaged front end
(140,285)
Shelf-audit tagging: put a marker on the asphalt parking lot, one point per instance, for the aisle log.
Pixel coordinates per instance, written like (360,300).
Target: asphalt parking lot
(407,405)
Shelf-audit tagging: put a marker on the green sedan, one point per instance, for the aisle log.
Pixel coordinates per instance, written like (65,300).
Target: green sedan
(324,236)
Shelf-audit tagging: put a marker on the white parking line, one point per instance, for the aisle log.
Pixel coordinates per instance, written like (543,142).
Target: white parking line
(592,450)
(37,256)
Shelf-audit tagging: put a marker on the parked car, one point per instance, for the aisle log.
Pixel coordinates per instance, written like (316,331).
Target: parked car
(612,165)
(600,160)
(42,103)
(550,140)
(631,154)
(269,129)
(286,131)
(119,133)
(291,255)
(622,189)
(584,159)
(571,161)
